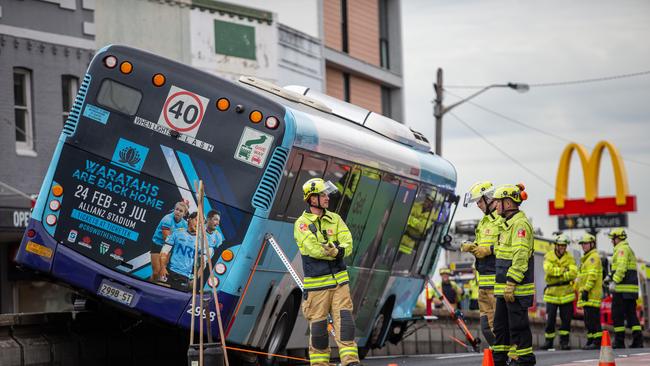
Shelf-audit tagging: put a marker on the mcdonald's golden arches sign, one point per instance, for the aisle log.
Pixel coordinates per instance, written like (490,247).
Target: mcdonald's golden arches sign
(591,204)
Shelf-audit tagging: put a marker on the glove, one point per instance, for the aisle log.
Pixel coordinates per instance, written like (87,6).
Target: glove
(584,296)
(467,247)
(509,292)
(612,287)
(481,252)
(341,253)
(330,250)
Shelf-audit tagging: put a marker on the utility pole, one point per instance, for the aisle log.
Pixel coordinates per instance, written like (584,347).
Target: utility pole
(438,111)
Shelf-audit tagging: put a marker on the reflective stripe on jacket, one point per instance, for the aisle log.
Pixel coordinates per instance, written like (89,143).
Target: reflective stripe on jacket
(590,279)
(559,274)
(514,256)
(624,269)
(487,235)
(321,271)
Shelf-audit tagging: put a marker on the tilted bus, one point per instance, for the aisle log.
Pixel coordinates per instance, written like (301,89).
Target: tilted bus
(144,130)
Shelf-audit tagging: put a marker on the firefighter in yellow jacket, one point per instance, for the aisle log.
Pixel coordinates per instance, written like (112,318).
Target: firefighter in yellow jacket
(559,272)
(487,234)
(447,287)
(589,285)
(324,240)
(514,287)
(624,286)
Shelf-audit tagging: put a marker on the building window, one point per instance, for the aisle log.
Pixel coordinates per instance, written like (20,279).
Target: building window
(344,25)
(346,87)
(69,87)
(383,34)
(23,111)
(386,109)
(234,39)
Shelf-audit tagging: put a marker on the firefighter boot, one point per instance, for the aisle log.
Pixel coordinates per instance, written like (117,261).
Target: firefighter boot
(564,343)
(637,339)
(619,340)
(548,344)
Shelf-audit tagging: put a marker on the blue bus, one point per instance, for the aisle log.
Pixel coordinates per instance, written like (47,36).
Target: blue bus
(144,130)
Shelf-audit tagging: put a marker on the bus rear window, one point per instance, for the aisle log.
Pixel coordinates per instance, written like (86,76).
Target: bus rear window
(119,97)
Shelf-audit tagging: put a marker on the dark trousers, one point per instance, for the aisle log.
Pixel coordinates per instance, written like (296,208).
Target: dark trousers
(592,323)
(511,327)
(566,313)
(624,310)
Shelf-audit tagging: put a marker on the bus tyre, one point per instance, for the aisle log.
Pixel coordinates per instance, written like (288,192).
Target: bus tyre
(281,331)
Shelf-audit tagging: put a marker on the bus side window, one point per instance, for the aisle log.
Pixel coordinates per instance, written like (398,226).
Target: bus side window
(356,204)
(418,225)
(284,192)
(312,167)
(426,258)
(339,174)
(392,234)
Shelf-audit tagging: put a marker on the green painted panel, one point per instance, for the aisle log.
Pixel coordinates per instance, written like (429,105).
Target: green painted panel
(234,39)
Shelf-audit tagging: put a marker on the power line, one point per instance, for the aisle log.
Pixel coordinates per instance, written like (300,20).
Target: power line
(564,83)
(537,129)
(503,152)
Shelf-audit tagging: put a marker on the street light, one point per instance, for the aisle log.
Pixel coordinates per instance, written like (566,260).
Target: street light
(439,110)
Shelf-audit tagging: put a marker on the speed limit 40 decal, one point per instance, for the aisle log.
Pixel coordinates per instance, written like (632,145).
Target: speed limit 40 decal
(183,112)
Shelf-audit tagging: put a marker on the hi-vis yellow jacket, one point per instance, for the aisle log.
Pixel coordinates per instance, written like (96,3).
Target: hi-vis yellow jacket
(418,221)
(559,274)
(514,253)
(590,279)
(487,235)
(624,269)
(311,232)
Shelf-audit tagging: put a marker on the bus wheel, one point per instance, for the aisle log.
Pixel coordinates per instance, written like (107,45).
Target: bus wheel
(281,331)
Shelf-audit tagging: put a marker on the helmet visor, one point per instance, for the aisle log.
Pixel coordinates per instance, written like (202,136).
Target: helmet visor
(467,199)
(329,188)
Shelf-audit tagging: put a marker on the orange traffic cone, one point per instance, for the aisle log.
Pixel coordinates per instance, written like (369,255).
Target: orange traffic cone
(487,358)
(606,352)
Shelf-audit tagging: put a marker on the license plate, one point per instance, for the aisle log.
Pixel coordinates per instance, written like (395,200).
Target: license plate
(116,293)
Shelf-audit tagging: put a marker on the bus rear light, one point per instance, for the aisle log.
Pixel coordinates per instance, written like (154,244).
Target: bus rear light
(50,220)
(110,61)
(220,268)
(55,205)
(31,233)
(126,67)
(272,123)
(255,116)
(158,80)
(227,255)
(223,104)
(213,282)
(57,190)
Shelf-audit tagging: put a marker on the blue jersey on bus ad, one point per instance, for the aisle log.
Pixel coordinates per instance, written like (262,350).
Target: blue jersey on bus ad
(167,223)
(182,253)
(214,238)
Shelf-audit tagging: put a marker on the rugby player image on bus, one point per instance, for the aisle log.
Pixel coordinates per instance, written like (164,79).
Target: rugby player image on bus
(167,225)
(177,255)
(212,233)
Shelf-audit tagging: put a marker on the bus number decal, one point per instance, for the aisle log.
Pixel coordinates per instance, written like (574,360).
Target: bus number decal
(183,111)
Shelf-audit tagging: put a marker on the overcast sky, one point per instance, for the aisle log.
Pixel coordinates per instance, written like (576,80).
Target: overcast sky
(487,42)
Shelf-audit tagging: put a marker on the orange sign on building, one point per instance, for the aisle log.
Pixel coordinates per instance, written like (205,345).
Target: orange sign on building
(591,204)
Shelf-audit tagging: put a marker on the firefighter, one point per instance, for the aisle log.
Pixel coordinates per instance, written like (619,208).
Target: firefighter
(449,288)
(624,286)
(487,234)
(589,285)
(559,272)
(417,225)
(324,240)
(514,287)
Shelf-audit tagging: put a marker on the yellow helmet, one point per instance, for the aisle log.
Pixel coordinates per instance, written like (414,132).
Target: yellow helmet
(619,232)
(478,190)
(445,271)
(562,239)
(587,238)
(317,186)
(516,192)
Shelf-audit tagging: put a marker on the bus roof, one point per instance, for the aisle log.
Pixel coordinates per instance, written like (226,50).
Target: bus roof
(317,129)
